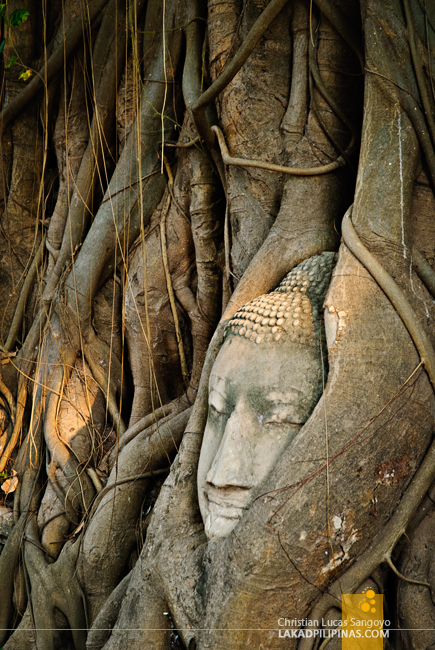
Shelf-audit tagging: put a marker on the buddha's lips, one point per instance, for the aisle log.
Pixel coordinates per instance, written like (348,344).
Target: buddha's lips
(230,505)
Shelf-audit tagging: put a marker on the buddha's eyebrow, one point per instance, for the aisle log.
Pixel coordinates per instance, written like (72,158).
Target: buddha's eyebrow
(218,383)
(217,391)
(217,399)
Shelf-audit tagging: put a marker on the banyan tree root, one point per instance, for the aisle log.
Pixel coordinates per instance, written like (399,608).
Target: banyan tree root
(256,32)
(100,631)
(416,601)
(63,594)
(382,547)
(286,243)
(280,169)
(178,493)
(110,535)
(394,293)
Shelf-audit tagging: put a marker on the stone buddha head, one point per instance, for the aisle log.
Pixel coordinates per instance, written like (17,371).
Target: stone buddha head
(264,384)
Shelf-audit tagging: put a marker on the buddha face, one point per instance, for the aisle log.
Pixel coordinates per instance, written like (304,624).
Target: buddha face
(259,398)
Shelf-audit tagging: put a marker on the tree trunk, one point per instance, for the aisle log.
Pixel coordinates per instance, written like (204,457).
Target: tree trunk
(164,165)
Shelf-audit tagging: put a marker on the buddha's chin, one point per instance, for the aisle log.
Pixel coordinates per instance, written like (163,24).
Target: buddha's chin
(219,526)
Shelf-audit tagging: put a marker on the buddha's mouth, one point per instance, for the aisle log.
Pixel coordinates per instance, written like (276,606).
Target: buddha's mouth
(227,512)
(225,508)
(228,503)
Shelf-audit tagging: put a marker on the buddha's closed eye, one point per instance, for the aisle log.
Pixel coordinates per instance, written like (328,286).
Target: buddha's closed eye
(281,414)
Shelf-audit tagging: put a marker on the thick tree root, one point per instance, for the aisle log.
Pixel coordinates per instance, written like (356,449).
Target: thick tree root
(108,57)
(106,619)
(174,502)
(343,27)
(110,535)
(21,404)
(169,286)
(198,110)
(10,556)
(168,410)
(394,293)
(382,546)
(416,603)
(9,559)
(24,295)
(56,585)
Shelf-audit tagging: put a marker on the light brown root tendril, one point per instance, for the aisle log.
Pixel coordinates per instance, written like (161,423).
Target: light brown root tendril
(22,300)
(424,270)
(183,145)
(21,404)
(281,169)
(389,561)
(122,481)
(4,390)
(94,478)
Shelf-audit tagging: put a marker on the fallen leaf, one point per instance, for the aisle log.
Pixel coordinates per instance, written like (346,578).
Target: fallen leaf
(11,483)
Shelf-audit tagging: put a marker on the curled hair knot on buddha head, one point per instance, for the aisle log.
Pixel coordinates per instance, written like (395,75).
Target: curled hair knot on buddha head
(293,311)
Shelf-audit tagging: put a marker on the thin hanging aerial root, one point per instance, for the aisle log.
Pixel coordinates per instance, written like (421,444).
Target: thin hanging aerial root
(4,390)
(53,65)
(281,169)
(424,270)
(389,561)
(21,403)
(24,295)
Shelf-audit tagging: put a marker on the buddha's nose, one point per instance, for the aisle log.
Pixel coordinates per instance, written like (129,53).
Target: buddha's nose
(233,463)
